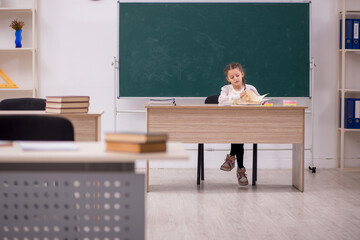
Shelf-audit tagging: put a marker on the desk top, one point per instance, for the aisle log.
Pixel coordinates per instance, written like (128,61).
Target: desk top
(216,106)
(17,112)
(88,152)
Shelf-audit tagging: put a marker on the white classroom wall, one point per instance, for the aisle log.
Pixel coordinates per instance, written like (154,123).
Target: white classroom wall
(77,44)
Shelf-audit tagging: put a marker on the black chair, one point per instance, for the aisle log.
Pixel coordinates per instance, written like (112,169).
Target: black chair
(35,128)
(214,99)
(200,166)
(23,104)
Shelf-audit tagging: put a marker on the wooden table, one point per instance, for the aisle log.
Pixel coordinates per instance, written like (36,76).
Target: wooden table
(87,126)
(235,124)
(78,193)
(87,153)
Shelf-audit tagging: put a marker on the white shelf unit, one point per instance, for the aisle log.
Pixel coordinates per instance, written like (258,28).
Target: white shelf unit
(347,83)
(19,64)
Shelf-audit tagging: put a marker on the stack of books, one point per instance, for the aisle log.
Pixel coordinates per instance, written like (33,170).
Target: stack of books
(67,104)
(136,142)
(161,102)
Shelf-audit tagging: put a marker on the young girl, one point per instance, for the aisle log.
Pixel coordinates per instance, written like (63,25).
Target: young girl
(237,88)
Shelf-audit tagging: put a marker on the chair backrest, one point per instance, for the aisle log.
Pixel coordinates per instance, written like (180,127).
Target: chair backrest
(35,128)
(212,99)
(23,104)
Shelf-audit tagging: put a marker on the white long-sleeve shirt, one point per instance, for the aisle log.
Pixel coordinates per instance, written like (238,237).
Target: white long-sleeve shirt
(228,93)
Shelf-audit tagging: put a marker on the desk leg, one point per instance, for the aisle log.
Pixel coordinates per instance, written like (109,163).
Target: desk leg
(254,170)
(199,163)
(298,166)
(147,175)
(202,161)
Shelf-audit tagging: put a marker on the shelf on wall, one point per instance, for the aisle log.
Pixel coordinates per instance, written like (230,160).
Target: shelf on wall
(350,12)
(16,49)
(16,9)
(344,79)
(26,75)
(16,89)
(350,50)
(350,90)
(350,129)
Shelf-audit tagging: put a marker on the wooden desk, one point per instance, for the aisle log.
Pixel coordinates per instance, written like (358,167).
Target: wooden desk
(235,124)
(87,126)
(87,153)
(74,193)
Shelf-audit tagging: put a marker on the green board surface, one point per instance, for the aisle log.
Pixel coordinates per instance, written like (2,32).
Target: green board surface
(181,49)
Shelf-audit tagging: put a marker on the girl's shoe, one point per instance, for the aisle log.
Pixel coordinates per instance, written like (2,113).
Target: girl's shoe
(241,176)
(229,163)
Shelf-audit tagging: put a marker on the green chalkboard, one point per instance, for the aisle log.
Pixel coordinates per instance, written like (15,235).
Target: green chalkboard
(181,49)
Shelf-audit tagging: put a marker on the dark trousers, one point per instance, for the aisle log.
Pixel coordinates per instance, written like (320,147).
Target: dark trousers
(237,150)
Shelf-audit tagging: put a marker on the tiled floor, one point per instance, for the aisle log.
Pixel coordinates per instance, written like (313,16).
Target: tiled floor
(177,208)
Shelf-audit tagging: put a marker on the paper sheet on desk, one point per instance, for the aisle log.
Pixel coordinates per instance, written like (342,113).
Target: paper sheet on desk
(253,103)
(47,146)
(4,143)
(245,103)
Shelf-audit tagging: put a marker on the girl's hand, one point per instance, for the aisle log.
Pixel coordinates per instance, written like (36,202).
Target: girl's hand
(243,94)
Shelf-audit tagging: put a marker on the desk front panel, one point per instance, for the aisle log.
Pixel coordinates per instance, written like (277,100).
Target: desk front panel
(86,127)
(71,205)
(229,124)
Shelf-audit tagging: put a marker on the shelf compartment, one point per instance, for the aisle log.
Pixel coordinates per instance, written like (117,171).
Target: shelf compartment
(4,94)
(18,66)
(7,40)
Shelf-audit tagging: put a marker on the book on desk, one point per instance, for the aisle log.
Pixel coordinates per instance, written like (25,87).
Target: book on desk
(67,104)
(136,142)
(67,98)
(162,102)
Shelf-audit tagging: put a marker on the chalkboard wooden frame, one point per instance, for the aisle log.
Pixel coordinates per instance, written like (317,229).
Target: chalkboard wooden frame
(181,49)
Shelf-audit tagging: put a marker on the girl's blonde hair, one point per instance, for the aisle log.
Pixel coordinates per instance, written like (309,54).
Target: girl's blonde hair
(233,66)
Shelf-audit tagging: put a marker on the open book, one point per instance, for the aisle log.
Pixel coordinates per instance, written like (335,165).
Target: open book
(168,101)
(250,98)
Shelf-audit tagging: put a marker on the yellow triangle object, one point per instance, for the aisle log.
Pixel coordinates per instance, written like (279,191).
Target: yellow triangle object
(10,84)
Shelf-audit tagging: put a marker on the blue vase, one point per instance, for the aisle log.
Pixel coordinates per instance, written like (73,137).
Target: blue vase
(18,38)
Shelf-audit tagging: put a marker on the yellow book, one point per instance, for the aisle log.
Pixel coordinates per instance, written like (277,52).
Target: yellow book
(136,137)
(136,147)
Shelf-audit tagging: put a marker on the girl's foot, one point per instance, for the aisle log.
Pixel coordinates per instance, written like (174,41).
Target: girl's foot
(241,176)
(229,163)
